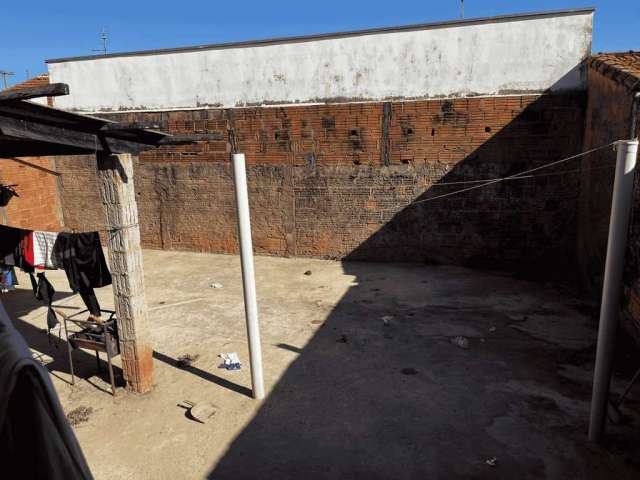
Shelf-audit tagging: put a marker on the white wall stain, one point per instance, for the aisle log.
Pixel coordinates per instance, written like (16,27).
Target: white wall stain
(529,54)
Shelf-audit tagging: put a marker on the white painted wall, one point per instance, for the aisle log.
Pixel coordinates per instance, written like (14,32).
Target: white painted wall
(500,56)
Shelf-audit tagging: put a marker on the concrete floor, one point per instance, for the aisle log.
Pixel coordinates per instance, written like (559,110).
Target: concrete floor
(348,394)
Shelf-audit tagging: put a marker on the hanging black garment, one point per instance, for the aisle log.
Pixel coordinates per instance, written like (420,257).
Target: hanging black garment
(90,300)
(10,239)
(37,441)
(45,292)
(81,256)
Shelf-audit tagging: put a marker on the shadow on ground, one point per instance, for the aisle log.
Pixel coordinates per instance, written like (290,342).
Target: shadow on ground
(21,302)
(381,391)
(369,398)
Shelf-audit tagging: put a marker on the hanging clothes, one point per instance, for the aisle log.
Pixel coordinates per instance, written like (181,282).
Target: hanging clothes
(36,439)
(43,245)
(45,293)
(81,256)
(10,239)
(7,278)
(26,252)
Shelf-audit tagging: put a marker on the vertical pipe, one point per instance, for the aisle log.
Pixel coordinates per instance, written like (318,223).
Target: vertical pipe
(612,288)
(248,276)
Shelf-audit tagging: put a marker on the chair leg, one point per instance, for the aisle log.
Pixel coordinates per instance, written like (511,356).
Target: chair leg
(113,383)
(66,334)
(98,362)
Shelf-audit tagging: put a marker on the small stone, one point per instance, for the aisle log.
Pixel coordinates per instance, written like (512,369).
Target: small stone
(492,329)
(342,339)
(492,462)
(307,273)
(216,285)
(386,320)
(462,342)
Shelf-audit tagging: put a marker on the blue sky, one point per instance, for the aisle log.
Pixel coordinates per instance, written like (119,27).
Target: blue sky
(36,30)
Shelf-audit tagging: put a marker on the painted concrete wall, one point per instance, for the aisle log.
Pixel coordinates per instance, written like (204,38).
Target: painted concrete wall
(508,55)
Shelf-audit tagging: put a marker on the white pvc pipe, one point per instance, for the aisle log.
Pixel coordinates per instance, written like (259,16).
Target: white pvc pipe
(248,276)
(612,287)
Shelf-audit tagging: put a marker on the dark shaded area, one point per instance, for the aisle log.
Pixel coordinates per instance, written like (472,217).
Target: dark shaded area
(399,400)
(526,226)
(291,348)
(369,398)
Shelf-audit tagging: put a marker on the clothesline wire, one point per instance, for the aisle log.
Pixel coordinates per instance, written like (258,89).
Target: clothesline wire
(562,172)
(515,175)
(462,182)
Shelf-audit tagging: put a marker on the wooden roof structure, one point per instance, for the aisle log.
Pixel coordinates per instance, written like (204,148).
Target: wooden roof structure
(29,129)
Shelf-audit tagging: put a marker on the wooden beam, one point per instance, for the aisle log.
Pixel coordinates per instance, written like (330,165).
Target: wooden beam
(115,175)
(69,137)
(34,166)
(51,90)
(12,147)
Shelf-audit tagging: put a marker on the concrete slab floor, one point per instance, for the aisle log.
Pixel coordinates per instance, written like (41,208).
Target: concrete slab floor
(362,377)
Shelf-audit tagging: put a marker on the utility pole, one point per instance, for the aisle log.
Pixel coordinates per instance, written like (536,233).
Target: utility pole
(461,8)
(6,74)
(104,38)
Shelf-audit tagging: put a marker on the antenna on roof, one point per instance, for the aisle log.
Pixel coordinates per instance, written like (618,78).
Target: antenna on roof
(461,8)
(104,37)
(6,74)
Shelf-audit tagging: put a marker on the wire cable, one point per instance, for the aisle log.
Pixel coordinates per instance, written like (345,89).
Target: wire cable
(515,175)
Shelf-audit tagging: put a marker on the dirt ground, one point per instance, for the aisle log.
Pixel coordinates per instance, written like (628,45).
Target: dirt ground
(363,374)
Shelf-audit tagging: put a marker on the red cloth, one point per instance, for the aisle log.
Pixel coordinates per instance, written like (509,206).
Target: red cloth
(27,248)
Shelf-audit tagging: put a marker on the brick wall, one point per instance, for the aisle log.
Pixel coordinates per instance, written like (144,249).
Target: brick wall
(608,118)
(338,180)
(37,206)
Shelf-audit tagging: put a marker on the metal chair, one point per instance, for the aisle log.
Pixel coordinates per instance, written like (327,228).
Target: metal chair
(90,335)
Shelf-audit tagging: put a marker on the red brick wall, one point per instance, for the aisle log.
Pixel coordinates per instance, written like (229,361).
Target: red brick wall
(337,180)
(37,206)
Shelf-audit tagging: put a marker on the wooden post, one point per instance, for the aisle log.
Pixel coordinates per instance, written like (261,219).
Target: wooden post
(115,175)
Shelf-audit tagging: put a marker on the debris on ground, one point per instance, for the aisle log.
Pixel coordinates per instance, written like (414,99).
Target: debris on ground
(492,462)
(316,322)
(409,371)
(386,320)
(342,339)
(459,341)
(200,412)
(492,328)
(79,415)
(307,273)
(230,361)
(186,360)
(215,285)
